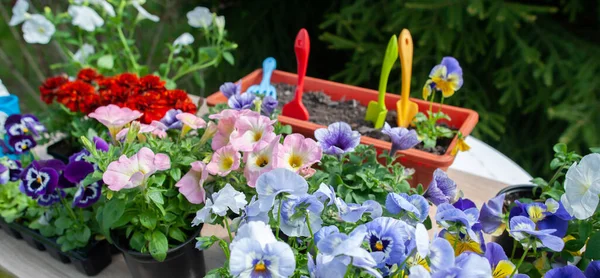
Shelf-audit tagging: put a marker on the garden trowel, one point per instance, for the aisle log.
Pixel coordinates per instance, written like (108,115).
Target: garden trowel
(376,111)
(407,109)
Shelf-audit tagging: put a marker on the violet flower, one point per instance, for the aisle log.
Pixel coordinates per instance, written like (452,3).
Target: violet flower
(170,119)
(269,104)
(11,170)
(18,124)
(491,216)
(441,189)
(85,196)
(242,101)
(551,215)
(337,139)
(230,89)
(41,177)
(402,138)
(4,174)
(22,143)
(523,230)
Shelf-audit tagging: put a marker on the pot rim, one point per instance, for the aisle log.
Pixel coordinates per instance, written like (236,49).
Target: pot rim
(516,188)
(169,251)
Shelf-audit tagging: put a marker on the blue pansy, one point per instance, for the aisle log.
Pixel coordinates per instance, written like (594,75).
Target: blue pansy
(412,208)
(354,212)
(551,216)
(242,101)
(491,216)
(279,181)
(441,189)
(388,235)
(524,230)
(337,139)
(294,219)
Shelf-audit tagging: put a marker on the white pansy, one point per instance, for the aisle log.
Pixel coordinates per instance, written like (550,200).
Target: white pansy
(38,29)
(85,18)
(19,12)
(199,17)
(582,186)
(3,90)
(220,22)
(184,39)
(226,199)
(142,13)
(83,53)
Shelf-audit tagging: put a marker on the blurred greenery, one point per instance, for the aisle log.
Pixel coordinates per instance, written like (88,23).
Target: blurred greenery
(529,66)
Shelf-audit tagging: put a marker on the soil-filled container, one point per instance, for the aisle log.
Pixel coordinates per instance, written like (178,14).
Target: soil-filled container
(424,163)
(183,261)
(63,149)
(9,230)
(89,260)
(513,193)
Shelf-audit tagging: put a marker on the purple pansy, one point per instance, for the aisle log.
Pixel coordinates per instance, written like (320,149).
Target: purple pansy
(593,269)
(353,212)
(491,216)
(413,208)
(269,104)
(15,169)
(87,195)
(388,235)
(22,143)
(100,144)
(402,138)
(51,198)
(242,101)
(551,215)
(442,189)
(568,271)
(4,174)
(230,89)
(337,139)
(18,124)
(170,119)
(41,177)
(523,230)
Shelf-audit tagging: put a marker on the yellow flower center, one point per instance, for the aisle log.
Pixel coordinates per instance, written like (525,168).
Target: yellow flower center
(535,213)
(295,161)
(262,161)
(257,136)
(24,147)
(39,179)
(25,130)
(503,269)
(41,30)
(227,162)
(379,246)
(260,266)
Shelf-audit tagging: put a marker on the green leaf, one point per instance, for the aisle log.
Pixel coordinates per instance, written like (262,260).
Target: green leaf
(560,148)
(175,173)
(62,223)
(428,223)
(156,196)
(585,228)
(158,246)
(148,220)
(84,236)
(177,234)
(112,212)
(574,245)
(595,150)
(106,61)
(592,249)
(229,58)
(137,241)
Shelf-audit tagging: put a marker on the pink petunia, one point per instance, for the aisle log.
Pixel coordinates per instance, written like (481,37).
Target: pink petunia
(298,152)
(156,128)
(260,161)
(134,171)
(227,119)
(191,184)
(251,132)
(190,122)
(114,117)
(223,161)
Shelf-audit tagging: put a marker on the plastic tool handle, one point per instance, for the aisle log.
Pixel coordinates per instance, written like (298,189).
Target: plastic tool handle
(391,55)
(302,48)
(269,65)
(405,48)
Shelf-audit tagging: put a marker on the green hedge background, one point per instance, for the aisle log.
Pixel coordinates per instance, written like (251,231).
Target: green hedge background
(531,68)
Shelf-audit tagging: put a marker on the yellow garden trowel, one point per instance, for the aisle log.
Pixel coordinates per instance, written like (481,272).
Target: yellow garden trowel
(376,111)
(407,109)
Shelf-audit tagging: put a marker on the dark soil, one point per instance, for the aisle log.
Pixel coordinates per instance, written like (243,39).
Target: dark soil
(325,111)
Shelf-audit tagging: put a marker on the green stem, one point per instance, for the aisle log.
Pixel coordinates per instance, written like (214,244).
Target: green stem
(228,229)
(441,104)
(225,250)
(127,49)
(556,175)
(279,218)
(66,206)
(349,269)
(512,254)
(520,262)
(169,64)
(431,101)
(312,235)
(194,68)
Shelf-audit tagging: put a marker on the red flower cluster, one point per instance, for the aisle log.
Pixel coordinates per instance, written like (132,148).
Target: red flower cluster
(91,90)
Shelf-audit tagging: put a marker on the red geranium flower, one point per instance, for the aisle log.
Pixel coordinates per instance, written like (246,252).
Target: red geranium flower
(89,75)
(78,96)
(151,83)
(49,89)
(127,80)
(179,99)
(151,104)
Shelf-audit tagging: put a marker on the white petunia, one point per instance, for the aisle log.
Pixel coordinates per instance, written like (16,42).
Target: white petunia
(142,13)
(184,39)
(226,199)
(3,90)
(85,18)
(200,17)
(220,22)
(83,53)
(107,7)
(38,29)
(582,186)
(19,12)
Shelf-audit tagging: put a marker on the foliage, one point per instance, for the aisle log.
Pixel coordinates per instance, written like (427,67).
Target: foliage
(13,204)
(528,69)
(428,129)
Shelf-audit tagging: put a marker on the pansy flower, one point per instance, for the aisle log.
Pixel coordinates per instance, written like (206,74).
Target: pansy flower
(252,131)
(223,161)
(41,177)
(191,185)
(435,255)
(51,197)
(278,181)
(230,89)
(22,143)
(551,215)
(250,213)
(260,161)
(11,169)
(446,77)
(353,212)
(242,101)
(130,172)
(4,174)
(412,209)
(298,152)
(466,265)
(491,216)
(87,195)
(524,230)
(25,124)
(256,253)
(402,138)
(461,228)
(227,199)
(170,119)
(269,104)
(499,262)
(570,271)
(388,235)
(337,139)
(441,189)
(300,215)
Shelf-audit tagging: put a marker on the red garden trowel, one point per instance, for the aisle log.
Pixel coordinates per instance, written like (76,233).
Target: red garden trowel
(295,108)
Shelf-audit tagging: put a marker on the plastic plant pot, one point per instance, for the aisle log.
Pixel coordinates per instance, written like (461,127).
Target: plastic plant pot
(9,230)
(63,149)
(183,261)
(424,163)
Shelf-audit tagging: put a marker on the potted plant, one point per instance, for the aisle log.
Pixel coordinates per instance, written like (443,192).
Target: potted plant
(326,96)
(102,63)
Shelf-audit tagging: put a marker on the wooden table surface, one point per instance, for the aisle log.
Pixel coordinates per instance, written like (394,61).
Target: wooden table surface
(21,260)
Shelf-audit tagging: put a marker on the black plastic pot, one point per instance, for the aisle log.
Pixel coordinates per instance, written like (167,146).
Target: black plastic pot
(183,261)
(513,193)
(9,230)
(63,149)
(90,260)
